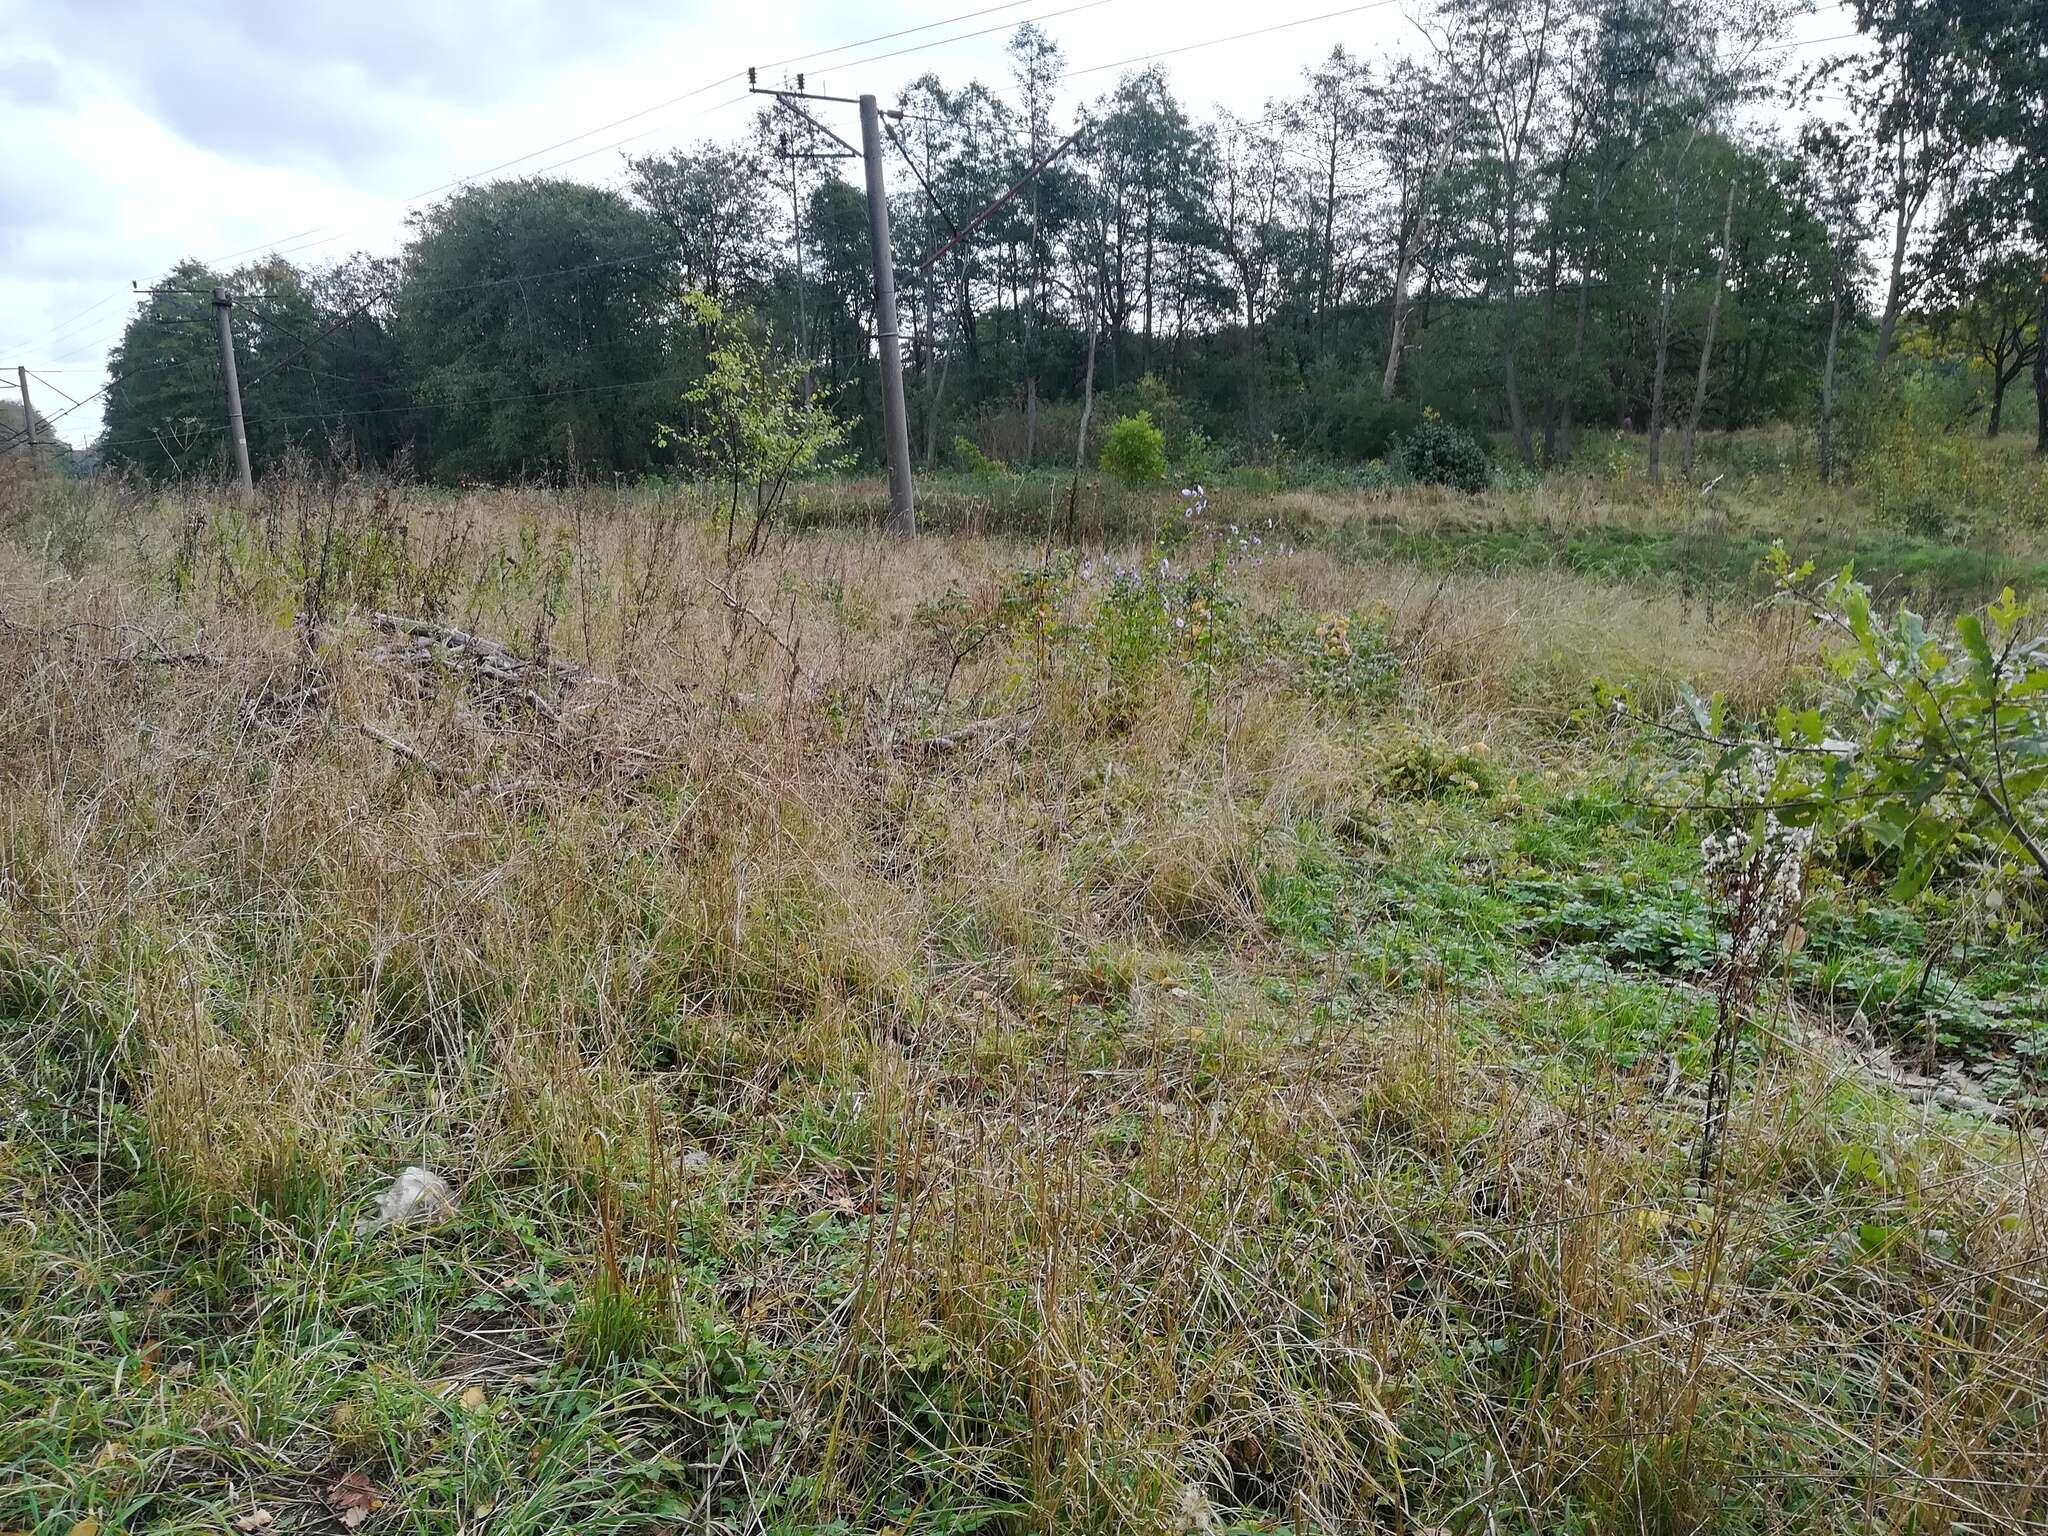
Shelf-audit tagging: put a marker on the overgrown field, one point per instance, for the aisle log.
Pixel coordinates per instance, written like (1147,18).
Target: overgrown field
(1206,1031)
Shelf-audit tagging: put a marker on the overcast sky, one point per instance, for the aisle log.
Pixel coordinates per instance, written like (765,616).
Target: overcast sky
(140,133)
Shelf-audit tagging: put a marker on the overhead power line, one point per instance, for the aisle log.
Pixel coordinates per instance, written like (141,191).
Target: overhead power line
(42,337)
(445,405)
(307,346)
(301,240)
(887,37)
(1235,37)
(961,37)
(32,373)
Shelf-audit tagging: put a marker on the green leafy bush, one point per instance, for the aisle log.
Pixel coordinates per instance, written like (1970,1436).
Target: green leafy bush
(1201,458)
(751,427)
(1134,452)
(1167,412)
(1256,480)
(1375,478)
(1937,484)
(1437,453)
(990,471)
(1936,749)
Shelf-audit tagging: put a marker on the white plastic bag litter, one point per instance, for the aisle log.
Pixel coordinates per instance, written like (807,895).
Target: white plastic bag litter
(418,1197)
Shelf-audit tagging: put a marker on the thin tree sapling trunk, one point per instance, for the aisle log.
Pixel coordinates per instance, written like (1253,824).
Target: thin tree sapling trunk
(2041,375)
(1699,392)
(1827,391)
(1081,436)
(1666,288)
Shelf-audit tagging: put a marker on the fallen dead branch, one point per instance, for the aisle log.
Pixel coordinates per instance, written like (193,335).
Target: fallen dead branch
(977,733)
(399,749)
(153,652)
(768,629)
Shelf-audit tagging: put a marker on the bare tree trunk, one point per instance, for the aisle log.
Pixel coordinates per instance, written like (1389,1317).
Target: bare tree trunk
(1511,367)
(1081,436)
(1145,352)
(1578,369)
(1404,272)
(1551,272)
(1662,357)
(2041,375)
(1895,290)
(1908,200)
(1251,376)
(932,404)
(1397,324)
(1325,281)
(1997,423)
(1511,335)
(1030,417)
(1667,294)
(1699,392)
(1827,393)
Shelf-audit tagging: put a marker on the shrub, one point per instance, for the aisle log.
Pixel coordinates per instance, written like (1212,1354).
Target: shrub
(1935,754)
(1167,412)
(1437,453)
(990,471)
(1349,659)
(1256,480)
(1933,483)
(1134,453)
(753,427)
(1375,478)
(1375,428)
(1201,459)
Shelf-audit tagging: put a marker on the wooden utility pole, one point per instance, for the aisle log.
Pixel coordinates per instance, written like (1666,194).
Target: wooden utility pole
(902,521)
(895,418)
(237,434)
(28,411)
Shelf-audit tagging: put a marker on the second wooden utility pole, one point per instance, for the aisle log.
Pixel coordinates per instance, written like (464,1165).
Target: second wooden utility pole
(28,412)
(237,435)
(895,419)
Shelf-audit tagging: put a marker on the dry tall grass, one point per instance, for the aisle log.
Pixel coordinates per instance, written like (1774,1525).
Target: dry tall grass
(892,1045)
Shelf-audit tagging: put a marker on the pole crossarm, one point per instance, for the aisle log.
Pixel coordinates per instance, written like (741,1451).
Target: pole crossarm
(844,101)
(782,100)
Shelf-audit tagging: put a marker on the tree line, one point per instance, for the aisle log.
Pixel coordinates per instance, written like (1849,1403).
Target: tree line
(1552,215)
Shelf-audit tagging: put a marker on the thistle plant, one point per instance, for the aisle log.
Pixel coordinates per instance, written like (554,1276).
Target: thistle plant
(1755,871)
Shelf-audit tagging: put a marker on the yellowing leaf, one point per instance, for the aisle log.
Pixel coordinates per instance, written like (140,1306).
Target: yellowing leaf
(473,1399)
(254,1520)
(89,1526)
